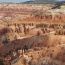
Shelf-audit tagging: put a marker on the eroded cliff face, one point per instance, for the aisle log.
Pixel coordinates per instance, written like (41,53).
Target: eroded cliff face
(39,27)
(18,16)
(19,13)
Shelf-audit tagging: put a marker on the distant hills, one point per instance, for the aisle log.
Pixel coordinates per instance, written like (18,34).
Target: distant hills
(42,1)
(36,2)
(29,2)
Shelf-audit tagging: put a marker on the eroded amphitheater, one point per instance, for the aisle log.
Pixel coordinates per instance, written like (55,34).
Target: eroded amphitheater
(32,34)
